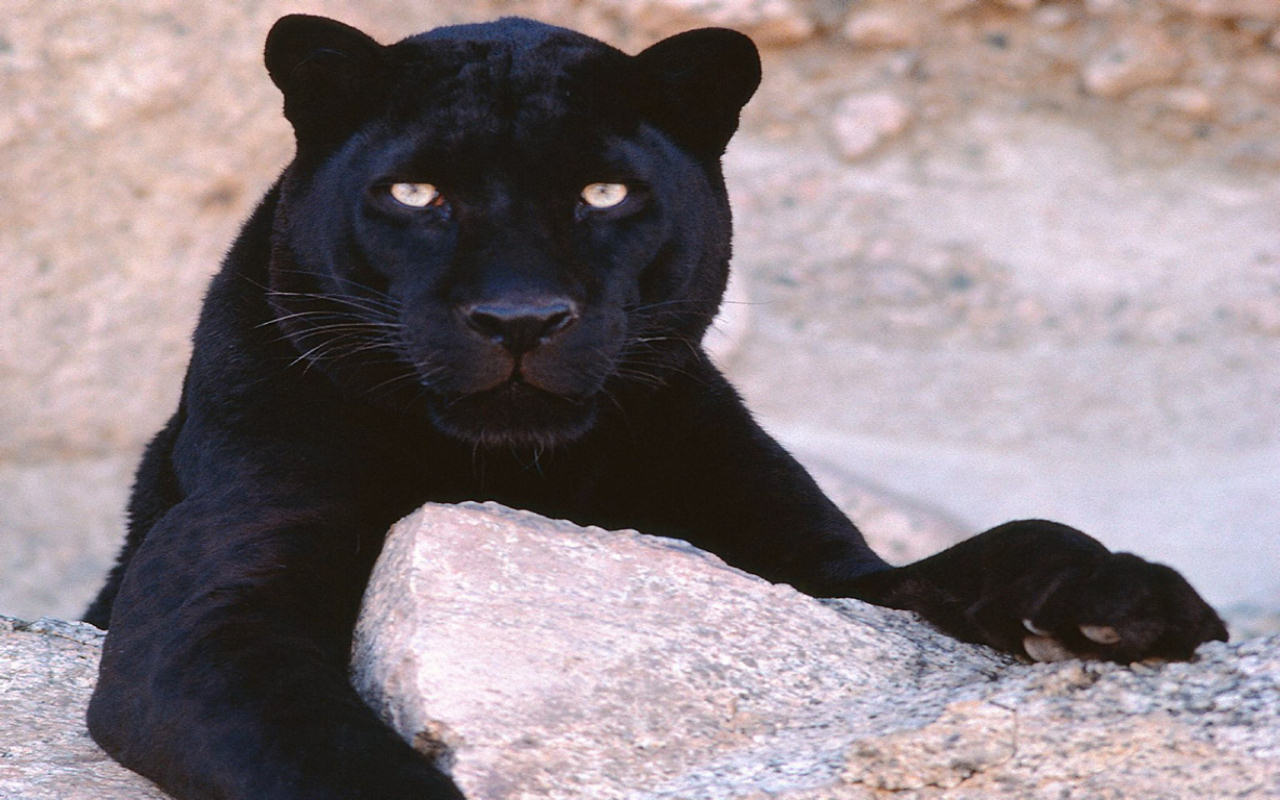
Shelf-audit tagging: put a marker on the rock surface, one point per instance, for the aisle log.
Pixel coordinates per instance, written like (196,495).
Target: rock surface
(47,671)
(538,659)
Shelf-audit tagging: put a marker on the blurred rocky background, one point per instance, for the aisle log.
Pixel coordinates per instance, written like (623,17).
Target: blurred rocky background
(996,259)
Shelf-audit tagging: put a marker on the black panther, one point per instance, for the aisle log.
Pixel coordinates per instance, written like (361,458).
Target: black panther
(485,276)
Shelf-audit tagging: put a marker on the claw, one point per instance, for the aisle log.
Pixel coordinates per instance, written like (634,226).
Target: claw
(1042,648)
(1030,626)
(1102,634)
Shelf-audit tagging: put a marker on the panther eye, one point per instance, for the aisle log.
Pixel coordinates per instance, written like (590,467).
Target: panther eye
(415,195)
(604,195)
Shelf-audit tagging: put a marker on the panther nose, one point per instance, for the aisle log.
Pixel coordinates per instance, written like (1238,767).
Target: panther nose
(523,325)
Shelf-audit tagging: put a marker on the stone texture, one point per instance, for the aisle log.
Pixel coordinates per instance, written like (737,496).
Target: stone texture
(538,659)
(47,670)
(557,661)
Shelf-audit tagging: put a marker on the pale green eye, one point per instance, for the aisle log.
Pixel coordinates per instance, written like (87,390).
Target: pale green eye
(415,195)
(604,195)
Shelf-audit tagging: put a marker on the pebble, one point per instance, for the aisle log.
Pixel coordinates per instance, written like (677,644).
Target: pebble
(862,122)
(893,26)
(769,22)
(1191,101)
(1262,71)
(1129,63)
(1053,17)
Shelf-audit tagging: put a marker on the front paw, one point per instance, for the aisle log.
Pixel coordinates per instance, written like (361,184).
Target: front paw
(1109,606)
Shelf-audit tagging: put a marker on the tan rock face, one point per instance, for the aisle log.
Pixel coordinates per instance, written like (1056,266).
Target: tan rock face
(136,137)
(538,659)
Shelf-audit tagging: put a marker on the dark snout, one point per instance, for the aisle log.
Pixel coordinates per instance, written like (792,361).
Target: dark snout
(543,339)
(521,325)
(524,366)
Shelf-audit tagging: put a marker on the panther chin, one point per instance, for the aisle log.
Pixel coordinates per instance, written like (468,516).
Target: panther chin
(514,414)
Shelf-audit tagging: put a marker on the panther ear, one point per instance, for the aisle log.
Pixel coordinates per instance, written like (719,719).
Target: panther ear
(329,73)
(696,84)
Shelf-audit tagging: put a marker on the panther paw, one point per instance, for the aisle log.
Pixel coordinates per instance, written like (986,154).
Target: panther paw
(1117,608)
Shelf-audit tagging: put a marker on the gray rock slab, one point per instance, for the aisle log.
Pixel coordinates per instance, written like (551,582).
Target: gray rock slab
(47,670)
(535,658)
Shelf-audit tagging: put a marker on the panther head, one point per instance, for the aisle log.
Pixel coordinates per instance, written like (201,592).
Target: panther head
(503,225)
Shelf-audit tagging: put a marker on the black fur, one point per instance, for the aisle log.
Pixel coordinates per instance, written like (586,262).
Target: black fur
(357,357)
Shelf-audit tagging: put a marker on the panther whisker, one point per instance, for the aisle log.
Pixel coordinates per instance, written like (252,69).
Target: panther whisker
(368,304)
(381,386)
(326,314)
(280,270)
(311,356)
(664,303)
(373,330)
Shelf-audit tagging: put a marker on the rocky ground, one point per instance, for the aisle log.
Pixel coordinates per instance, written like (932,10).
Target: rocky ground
(657,672)
(1003,258)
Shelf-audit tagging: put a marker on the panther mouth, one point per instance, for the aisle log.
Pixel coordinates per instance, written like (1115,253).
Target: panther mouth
(514,413)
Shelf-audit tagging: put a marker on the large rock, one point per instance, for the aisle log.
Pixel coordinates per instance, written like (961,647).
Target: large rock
(47,671)
(534,658)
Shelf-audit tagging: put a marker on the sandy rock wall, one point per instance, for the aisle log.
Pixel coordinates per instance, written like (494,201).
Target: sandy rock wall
(139,134)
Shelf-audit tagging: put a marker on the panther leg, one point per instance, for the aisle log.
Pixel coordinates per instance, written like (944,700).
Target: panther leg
(1048,591)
